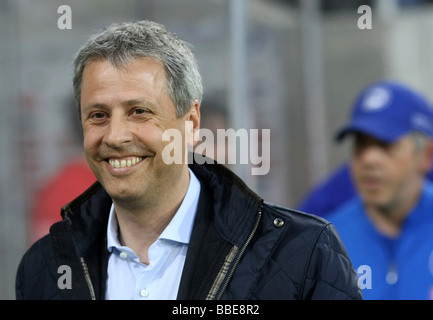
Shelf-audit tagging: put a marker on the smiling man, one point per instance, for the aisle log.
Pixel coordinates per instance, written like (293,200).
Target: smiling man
(152,230)
(388,225)
(124,114)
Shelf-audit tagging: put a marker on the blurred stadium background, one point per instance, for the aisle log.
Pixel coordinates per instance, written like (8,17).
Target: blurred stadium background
(289,66)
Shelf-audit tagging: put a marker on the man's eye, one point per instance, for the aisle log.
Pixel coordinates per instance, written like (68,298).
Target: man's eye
(139,111)
(98,116)
(142,113)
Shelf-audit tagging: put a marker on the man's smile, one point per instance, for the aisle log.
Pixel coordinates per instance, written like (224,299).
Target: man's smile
(124,162)
(119,166)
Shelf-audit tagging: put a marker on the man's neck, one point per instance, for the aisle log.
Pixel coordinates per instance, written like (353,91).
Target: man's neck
(139,227)
(386,221)
(390,219)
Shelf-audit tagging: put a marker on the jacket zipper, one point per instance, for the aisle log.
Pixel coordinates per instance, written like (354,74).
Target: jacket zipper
(238,259)
(88,280)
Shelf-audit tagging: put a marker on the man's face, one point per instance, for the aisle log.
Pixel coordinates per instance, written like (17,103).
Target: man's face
(124,113)
(387,175)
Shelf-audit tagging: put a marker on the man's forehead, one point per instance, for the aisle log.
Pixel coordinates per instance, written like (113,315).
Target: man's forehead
(123,63)
(366,137)
(362,137)
(102,72)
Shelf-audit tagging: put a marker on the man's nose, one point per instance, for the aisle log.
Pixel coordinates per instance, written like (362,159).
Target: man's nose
(370,154)
(118,132)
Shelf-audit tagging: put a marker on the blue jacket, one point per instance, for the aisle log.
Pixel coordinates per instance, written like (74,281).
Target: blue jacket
(240,248)
(333,191)
(328,194)
(390,268)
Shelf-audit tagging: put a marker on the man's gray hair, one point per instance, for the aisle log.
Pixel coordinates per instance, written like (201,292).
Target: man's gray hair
(421,140)
(121,43)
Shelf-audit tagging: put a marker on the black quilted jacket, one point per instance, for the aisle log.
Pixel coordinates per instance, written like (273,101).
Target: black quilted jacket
(240,248)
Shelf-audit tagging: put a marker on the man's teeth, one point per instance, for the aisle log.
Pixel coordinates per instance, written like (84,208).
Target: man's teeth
(124,163)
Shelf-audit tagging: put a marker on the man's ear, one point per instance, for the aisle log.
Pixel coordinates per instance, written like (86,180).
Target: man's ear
(427,160)
(193,116)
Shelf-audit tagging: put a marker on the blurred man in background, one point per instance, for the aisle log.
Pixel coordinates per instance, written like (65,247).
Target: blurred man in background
(387,227)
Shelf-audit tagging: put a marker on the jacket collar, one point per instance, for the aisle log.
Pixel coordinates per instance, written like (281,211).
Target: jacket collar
(233,201)
(226,218)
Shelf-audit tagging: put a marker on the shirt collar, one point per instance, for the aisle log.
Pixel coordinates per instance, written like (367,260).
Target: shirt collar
(180,227)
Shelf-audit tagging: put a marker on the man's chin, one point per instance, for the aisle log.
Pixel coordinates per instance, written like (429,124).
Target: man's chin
(118,192)
(379,203)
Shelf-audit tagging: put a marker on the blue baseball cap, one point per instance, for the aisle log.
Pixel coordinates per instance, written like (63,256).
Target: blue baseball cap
(387,111)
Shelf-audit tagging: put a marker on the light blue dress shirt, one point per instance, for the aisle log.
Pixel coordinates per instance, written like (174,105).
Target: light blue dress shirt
(129,279)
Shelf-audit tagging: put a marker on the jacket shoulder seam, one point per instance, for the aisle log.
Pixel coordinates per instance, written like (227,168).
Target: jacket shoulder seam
(310,256)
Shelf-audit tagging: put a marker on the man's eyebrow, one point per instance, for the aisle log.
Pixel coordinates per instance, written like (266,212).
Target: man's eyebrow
(141,102)
(95,105)
(128,103)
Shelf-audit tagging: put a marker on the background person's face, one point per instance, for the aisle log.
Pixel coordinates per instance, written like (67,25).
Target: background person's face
(386,175)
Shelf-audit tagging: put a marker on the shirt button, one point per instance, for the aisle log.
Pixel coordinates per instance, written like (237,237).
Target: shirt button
(123,255)
(144,293)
